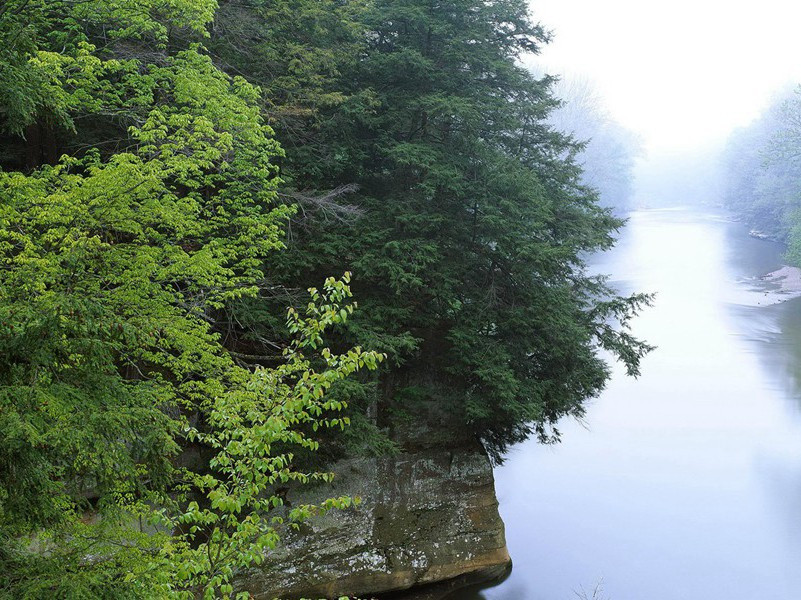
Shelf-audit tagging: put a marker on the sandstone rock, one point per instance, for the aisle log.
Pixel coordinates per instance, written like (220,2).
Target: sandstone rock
(425,517)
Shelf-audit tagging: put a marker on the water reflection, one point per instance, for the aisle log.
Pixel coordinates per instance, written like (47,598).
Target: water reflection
(687,482)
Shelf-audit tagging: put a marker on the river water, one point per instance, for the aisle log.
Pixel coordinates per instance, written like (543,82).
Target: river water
(683,484)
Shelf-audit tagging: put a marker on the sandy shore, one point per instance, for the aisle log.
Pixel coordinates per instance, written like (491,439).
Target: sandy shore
(775,287)
(787,278)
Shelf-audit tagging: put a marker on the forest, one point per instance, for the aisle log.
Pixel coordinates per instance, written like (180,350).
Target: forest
(242,239)
(762,172)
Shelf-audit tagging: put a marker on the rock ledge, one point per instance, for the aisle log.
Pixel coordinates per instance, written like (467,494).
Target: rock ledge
(425,517)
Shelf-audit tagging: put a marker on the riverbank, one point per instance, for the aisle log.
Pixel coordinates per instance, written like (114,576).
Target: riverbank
(689,473)
(788,278)
(779,286)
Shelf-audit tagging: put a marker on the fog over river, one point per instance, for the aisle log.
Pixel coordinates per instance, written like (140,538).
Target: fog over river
(685,483)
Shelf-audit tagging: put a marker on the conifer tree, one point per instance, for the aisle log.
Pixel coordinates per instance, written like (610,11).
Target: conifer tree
(475,225)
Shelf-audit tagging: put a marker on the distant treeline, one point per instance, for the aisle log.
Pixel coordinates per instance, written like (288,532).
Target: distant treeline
(179,180)
(762,173)
(607,149)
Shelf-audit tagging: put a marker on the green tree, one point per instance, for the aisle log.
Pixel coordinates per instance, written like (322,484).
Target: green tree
(763,172)
(295,51)
(470,251)
(118,265)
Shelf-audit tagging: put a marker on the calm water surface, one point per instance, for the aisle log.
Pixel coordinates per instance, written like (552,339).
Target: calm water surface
(686,483)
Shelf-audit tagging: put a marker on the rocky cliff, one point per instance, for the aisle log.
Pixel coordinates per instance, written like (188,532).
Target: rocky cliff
(424,518)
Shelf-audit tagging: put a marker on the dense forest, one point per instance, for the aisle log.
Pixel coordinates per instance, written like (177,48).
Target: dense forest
(762,172)
(183,184)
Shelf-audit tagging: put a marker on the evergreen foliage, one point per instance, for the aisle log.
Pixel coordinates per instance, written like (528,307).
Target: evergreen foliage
(154,390)
(608,150)
(469,251)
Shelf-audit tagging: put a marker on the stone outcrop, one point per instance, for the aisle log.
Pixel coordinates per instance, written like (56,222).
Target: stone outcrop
(425,517)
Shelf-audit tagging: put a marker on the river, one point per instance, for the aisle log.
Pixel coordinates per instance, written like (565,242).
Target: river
(684,484)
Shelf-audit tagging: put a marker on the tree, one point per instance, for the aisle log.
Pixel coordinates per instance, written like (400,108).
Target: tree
(607,151)
(763,171)
(118,264)
(469,253)
(294,50)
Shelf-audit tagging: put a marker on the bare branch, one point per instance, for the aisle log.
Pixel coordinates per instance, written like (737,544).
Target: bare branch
(326,205)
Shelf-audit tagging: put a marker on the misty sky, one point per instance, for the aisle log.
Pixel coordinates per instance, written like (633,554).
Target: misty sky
(681,73)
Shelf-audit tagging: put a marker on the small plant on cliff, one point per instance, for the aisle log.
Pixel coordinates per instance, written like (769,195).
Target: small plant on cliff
(250,428)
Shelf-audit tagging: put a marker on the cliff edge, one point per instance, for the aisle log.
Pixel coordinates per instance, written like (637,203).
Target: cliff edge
(425,518)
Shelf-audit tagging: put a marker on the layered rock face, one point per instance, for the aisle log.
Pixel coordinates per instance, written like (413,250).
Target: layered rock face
(424,518)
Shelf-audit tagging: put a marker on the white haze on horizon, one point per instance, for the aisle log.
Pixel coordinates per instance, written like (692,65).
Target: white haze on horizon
(682,74)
